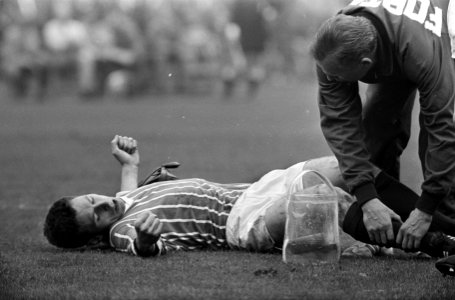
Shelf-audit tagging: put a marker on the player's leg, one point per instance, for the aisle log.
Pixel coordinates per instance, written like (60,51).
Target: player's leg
(246,225)
(393,194)
(402,200)
(387,122)
(275,216)
(275,222)
(327,166)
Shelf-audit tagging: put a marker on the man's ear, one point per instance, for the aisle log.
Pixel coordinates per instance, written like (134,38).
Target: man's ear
(366,62)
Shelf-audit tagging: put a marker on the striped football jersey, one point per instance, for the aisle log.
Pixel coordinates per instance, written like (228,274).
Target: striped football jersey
(193,213)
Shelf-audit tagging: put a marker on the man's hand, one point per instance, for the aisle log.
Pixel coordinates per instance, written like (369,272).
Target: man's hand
(378,221)
(148,228)
(125,150)
(413,230)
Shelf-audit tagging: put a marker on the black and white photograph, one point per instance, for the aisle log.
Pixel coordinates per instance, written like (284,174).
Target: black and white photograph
(227,149)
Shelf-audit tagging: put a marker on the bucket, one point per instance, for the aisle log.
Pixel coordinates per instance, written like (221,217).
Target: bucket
(311,232)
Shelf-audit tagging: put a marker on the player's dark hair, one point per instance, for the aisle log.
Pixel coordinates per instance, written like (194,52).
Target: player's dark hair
(345,38)
(61,227)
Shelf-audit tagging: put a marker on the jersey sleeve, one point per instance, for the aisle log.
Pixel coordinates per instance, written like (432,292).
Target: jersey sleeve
(341,123)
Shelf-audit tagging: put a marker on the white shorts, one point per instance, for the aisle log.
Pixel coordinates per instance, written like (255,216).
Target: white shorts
(246,228)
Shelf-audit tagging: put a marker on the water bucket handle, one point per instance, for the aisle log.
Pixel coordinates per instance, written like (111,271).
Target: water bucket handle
(318,174)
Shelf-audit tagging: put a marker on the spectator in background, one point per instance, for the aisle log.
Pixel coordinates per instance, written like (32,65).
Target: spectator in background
(232,59)
(289,29)
(63,36)
(111,53)
(24,58)
(162,36)
(249,16)
(199,52)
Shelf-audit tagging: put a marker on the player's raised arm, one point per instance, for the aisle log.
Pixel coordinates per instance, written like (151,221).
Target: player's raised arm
(124,149)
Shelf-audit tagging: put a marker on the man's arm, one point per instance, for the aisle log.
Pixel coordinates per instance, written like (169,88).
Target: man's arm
(341,123)
(125,151)
(428,63)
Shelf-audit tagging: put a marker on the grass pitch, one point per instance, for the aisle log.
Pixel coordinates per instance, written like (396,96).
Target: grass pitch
(61,147)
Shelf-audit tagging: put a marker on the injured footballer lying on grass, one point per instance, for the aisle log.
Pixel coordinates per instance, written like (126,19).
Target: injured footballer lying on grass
(193,213)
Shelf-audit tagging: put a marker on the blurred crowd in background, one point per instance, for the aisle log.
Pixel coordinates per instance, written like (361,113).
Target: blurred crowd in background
(128,47)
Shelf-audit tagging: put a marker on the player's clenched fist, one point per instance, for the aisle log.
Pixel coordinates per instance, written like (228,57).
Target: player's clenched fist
(148,228)
(124,149)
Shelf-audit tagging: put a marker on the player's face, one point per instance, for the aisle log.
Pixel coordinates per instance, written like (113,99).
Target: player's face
(95,213)
(335,71)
